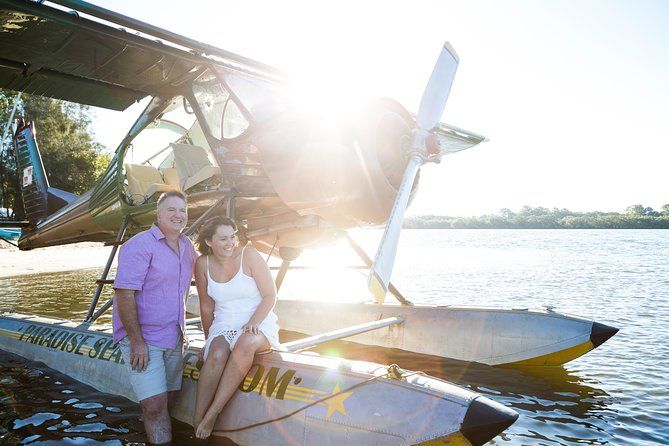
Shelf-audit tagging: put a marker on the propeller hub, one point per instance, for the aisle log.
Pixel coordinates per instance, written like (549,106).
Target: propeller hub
(432,145)
(393,143)
(425,146)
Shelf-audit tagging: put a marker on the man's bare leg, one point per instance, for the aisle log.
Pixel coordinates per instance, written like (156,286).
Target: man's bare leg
(157,422)
(171,396)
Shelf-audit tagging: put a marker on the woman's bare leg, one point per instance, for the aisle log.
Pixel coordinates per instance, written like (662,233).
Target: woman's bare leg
(238,365)
(210,375)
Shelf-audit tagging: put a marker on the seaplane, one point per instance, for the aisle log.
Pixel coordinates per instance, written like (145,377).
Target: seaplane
(224,129)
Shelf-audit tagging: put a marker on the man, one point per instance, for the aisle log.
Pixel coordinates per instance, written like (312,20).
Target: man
(155,269)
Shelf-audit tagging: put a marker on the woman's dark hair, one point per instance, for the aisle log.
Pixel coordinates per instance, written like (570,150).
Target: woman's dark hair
(209,229)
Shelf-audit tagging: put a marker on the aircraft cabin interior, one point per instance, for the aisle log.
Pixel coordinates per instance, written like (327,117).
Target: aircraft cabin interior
(172,152)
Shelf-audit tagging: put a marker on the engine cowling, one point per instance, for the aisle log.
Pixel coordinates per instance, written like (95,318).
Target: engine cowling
(346,170)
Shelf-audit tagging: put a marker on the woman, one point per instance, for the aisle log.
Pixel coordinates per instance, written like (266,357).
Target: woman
(237,294)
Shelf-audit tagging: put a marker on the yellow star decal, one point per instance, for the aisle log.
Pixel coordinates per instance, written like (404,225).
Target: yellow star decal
(336,403)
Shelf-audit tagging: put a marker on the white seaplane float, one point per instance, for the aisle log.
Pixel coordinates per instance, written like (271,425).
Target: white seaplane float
(286,398)
(223,129)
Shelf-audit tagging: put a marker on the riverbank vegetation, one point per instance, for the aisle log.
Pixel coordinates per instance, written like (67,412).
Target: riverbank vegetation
(634,217)
(72,158)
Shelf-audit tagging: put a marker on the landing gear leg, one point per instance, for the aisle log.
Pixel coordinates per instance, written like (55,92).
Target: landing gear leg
(90,317)
(281,274)
(229,203)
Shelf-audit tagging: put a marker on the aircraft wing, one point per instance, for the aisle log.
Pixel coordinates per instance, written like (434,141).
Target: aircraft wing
(52,52)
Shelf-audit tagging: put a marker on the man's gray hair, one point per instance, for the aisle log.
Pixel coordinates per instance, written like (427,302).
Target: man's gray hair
(171,193)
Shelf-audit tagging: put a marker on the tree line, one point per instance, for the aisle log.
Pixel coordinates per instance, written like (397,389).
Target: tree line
(72,158)
(635,217)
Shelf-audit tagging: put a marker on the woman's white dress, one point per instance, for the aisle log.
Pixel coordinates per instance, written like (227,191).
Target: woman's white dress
(235,303)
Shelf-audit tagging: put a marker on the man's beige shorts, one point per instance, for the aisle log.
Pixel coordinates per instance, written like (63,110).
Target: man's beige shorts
(163,372)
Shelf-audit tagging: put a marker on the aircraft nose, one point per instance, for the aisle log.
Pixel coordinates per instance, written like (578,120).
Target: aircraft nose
(600,333)
(485,419)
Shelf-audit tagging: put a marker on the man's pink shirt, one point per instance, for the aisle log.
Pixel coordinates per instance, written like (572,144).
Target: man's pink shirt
(161,279)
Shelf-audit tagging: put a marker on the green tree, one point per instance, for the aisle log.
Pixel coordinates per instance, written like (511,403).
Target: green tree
(72,158)
(636,210)
(636,217)
(664,210)
(507,213)
(8,173)
(650,211)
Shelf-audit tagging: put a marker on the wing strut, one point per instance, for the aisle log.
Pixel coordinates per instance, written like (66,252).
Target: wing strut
(228,200)
(365,258)
(311,341)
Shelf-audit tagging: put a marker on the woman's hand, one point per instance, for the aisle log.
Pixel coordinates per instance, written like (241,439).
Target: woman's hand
(251,328)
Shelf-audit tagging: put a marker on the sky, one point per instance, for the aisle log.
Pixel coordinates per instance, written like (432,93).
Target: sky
(573,95)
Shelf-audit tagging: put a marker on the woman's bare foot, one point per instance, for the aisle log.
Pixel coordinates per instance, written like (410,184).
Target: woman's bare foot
(196,423)
(203,430)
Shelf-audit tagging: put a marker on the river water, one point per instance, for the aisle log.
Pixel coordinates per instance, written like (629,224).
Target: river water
(617,394)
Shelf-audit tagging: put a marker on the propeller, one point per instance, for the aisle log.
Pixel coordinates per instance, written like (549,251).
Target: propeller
(429,112)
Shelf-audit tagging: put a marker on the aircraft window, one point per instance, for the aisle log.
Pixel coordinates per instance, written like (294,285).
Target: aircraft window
(168,161)
(260,97)
(179,113)
(223,116)
(152,145)
(148,146)
(234,122)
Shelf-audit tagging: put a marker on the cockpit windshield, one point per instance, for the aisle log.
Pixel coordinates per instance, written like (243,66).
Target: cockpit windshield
(224,119)
(260,97)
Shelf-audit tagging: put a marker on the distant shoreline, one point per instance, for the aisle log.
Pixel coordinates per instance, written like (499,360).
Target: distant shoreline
(636,217)
(412,225)
(529,228)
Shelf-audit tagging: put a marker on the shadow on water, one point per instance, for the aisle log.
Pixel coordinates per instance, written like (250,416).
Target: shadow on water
(38,404)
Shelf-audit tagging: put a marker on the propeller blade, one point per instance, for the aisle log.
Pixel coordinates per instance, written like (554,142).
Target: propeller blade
(379,275)
(438,88)
(431,108)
